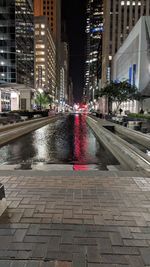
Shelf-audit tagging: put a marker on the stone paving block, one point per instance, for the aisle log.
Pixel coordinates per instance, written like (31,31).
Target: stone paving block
(28,213)
(79,260)
(145,253)
(135,261)
(143,236)
(19,235)
(93,254)
(23,255)
(104,245)
(4,263)
(49,232)
(33,264)
(33,229)
(125,250)
(67,237)
(106,265)
(53,244)
(99,220)
(63,264)
(20,246)
(65,256)
(85,241)
(114,259)
(14,204)
(5,242)
(39,251)
(116,239)
(135,243)
(125,232)
(36,239)
(18,264)
(7,232)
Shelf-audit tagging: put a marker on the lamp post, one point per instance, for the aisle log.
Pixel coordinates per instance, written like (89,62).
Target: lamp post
(40,94)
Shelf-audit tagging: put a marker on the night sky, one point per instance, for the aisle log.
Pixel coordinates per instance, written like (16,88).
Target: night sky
(74,13)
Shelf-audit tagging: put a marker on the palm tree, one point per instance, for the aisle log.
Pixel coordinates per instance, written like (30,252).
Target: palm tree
(42,100)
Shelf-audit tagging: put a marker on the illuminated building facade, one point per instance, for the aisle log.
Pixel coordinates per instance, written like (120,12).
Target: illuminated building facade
(64,73)
(119,19)
(94,30)
(16,42)
(52,10)
(45,57)
(132,63)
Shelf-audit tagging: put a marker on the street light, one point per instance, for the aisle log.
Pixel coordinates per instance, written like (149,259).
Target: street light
(40,90)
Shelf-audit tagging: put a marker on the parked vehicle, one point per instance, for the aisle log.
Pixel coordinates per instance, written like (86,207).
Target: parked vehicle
(3,118)
(6,118)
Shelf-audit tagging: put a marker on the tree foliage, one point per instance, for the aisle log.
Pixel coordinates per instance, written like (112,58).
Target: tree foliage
(120,92)
(43,100)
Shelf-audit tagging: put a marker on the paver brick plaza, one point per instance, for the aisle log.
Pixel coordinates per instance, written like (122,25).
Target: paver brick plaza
(75,220)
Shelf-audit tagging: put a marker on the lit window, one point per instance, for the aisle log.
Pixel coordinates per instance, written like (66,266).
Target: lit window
(36,26)
(40,59)
(42,26)
(36,32)
(128,3)
(42,33)
(40,46)
(122,3)
(39,53)
(139,3)
(133,3)
(110,57)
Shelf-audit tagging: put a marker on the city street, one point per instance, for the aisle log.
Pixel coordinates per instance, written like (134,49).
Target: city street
(74,133)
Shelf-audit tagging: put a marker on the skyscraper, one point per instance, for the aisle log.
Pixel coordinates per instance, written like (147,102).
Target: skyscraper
(94,30)
(119,19)
(16,48)
(52,10)
(45,57)
(16,42)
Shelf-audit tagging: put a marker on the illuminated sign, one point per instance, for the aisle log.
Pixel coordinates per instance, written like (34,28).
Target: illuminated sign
(98,29)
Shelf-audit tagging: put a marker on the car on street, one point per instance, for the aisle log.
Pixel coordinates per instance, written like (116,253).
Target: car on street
(6,118)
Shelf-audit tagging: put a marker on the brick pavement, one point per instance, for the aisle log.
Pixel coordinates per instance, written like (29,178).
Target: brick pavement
(89,220)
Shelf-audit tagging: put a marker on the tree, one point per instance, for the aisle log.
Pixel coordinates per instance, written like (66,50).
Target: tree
(120,92)
(42,100)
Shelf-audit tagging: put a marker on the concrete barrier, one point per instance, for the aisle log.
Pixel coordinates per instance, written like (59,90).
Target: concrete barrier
(23,129)
(129,157)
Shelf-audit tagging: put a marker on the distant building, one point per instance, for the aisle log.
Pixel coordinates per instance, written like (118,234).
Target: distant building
(119,19)
(52,10)
(45,57)
(132,63)
(94,30)
(65,68)
(70,101)
(16,53)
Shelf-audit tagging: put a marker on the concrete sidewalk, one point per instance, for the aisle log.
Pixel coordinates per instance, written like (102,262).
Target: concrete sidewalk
(75,219)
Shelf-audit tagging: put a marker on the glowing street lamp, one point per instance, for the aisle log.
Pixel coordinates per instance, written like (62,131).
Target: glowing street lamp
(40,90)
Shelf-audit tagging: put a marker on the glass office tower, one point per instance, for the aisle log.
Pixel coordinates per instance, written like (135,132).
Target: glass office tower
(16,42)
(94,31)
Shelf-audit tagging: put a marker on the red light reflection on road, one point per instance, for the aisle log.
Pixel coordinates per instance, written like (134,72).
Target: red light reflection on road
(80,167)
(80,142)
